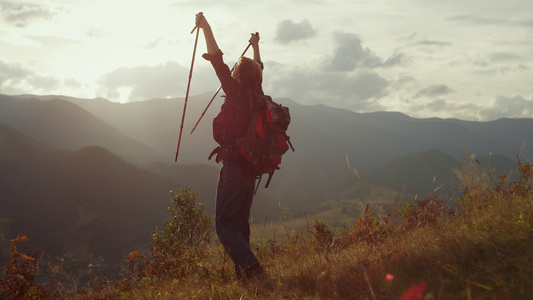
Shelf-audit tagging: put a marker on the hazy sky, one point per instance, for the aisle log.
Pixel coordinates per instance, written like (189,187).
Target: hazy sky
(470,60)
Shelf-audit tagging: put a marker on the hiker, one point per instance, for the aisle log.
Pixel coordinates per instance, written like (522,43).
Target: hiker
(236,183)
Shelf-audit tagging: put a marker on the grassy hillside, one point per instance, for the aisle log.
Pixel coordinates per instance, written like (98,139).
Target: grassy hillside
(480,251)
(420,250)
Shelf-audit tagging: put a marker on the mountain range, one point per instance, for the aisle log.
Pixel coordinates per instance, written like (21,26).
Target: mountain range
(90,175)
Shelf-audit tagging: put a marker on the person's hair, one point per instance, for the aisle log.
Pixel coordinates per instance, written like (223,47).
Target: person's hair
(248,72)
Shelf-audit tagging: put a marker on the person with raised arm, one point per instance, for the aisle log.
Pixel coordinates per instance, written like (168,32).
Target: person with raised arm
(236,183)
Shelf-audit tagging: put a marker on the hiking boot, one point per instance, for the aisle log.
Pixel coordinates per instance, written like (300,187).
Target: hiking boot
(256,277)
(255,271)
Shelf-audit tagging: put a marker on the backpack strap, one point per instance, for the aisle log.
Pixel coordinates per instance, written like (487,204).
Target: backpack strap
(215,151)
(259,181)
(226,153)
(288,139)
(257,185)
(269,178)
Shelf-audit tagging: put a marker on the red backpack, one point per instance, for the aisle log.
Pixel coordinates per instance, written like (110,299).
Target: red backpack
(266,139)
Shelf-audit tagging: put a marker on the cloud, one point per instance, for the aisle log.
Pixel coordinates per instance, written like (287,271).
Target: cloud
(347,78)
(444,108)
(479,20)
(21,14)
(46,83)
(526,23)
(515,106)
(72,84)
(505,57)
(432,106)
(95,33)
(288,31)
(521,67)
(15,79)
(511,107)
(433,43)
(11,72)
(395,59)
(476,19)
(403,79)
(152,44)
(354,88)
(350,55)
(160,81)
(54,41)
(309,85)
(434,90)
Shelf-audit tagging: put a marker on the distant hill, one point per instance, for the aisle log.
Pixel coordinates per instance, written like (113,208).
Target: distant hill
(425,172)
(154,123)
(418,172)
(86,201)
(64,125)
(146,133)
(369,139)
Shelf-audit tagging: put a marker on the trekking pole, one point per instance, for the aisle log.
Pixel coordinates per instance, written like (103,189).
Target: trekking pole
(188,87)
(216,93)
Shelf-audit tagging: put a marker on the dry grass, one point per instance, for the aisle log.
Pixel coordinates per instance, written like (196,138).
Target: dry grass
(423,251)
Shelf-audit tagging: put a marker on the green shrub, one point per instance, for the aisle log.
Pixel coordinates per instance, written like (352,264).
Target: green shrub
(323,235)
(180,245)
